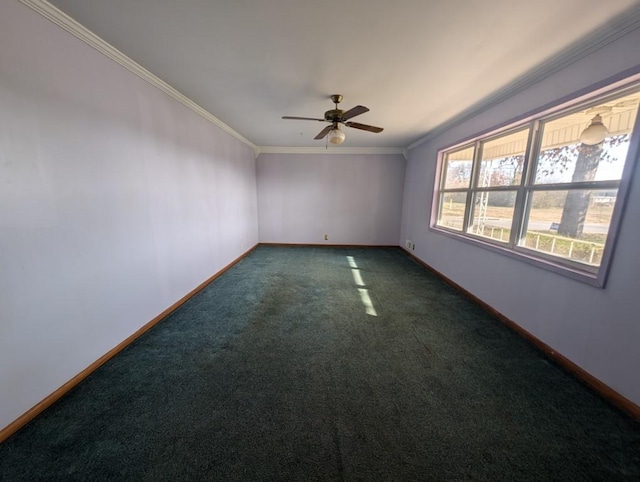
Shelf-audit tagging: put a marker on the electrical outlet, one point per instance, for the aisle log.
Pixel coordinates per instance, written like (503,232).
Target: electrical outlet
(407,243)
(326,237)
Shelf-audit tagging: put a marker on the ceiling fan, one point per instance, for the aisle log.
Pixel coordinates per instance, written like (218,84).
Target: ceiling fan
(336,117)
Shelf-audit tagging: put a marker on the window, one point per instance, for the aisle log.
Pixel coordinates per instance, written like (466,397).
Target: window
(548,191)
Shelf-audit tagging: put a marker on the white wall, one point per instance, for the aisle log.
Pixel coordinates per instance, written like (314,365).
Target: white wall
(598,329)
(115,201)
(354,199)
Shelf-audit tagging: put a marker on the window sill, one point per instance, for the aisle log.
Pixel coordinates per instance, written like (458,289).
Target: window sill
(529,256)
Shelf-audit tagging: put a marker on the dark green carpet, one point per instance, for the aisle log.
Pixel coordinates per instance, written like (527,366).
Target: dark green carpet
(275,372)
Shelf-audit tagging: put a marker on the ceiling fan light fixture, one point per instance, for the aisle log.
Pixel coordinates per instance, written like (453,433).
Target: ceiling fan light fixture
(595,133)
(336,136)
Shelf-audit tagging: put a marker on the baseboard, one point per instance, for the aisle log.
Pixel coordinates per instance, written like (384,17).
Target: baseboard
(601,388)
(327,245)
(34,411)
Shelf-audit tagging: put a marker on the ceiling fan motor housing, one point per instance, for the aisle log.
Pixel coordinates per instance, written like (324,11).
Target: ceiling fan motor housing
(333,115)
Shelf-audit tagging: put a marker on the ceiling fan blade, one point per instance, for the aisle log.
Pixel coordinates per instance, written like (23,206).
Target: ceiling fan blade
(302,118)
(323,132)
(364,127)
(357,110)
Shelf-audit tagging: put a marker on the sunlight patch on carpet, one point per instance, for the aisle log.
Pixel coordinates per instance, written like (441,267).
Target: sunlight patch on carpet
(369,309)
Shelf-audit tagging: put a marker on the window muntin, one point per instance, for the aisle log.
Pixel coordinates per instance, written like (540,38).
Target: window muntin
(558,205)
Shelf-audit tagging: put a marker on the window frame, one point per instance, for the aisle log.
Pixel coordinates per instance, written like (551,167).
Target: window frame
(593,275)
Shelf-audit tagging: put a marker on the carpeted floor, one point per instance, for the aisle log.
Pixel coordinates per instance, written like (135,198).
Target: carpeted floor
(278,370)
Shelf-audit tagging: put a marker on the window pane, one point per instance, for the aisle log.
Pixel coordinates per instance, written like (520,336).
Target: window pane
(493,214)
(571,153)
(458,168)
(452,206)
(570,224)
(503,159)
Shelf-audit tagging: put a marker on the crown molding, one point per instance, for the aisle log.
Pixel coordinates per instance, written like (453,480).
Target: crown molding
(330,150)
(610,32)
(61,19)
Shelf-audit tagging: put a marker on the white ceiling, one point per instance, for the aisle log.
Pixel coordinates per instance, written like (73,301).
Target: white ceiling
(415,63)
